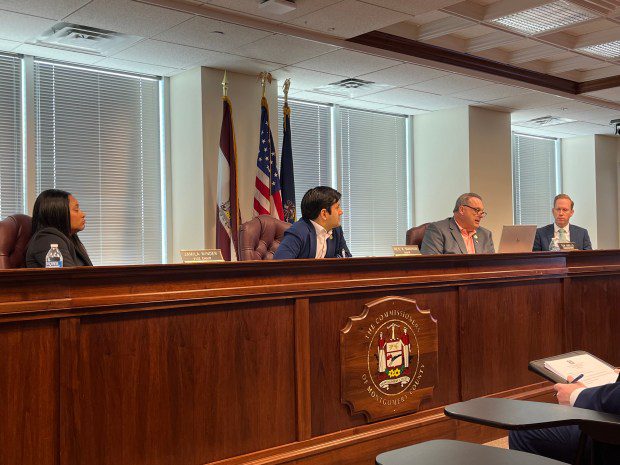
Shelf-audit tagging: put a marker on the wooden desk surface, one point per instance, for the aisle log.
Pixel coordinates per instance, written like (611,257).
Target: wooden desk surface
(239,362)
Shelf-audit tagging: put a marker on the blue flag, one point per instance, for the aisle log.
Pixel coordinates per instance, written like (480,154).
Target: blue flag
(287,176)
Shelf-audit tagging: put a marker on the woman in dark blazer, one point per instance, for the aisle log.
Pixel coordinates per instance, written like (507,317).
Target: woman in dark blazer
(56,219)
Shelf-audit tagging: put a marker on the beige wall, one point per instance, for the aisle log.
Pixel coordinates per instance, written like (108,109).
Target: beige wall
(196,110)
(579,181)
(441,162)
(606,149)
(490,166)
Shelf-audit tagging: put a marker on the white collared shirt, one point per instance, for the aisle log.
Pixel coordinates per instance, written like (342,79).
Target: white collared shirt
(556,232)
(321,239)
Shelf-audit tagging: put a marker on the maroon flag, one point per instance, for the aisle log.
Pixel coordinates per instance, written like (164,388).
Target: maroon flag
(228,219)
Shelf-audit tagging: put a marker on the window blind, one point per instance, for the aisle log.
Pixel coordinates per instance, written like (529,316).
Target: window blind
(373,181)
(534,175)
(97,136)
(311,141)
(11,167)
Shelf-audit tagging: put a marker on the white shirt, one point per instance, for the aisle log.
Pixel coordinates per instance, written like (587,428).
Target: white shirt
(321,239)
(556,231)
(574,395)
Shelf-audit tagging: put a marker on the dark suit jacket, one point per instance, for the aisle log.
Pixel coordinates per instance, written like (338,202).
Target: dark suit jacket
(444,237)
(300,242)
(606,399)
(73,253)
(578,235)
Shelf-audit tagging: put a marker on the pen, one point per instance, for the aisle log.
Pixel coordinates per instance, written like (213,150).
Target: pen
(573,381)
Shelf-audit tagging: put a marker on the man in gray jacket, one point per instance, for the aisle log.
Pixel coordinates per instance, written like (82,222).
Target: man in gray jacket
(461,234)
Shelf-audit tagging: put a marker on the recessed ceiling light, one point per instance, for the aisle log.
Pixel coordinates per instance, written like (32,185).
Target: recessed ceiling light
(545,18)
(607,50)
(544,121)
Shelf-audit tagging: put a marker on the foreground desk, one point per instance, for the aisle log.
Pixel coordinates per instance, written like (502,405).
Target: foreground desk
(238,363)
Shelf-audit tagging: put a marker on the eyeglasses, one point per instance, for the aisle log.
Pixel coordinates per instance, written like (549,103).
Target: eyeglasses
(480,212)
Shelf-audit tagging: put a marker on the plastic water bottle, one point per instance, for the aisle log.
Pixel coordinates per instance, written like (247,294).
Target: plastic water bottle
(554,245)
(53,259)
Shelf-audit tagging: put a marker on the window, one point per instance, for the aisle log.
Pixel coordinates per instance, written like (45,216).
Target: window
(311,141)
(373,179)
(97,136)
(534,178)
(11,167)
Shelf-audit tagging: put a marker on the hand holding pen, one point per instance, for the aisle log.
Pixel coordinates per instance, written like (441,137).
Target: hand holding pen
(564,390)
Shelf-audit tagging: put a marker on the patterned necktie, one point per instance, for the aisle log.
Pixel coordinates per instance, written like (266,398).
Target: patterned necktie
(562,234)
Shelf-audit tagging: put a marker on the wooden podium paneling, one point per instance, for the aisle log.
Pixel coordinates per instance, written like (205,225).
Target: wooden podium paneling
(239,363)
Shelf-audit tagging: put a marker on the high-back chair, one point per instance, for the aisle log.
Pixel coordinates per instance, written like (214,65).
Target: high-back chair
(260,237)
(15,231)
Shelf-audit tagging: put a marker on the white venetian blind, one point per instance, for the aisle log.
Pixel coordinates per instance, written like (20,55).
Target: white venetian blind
(373,180)
(97,136)
(311,141)
(534,179)
(11,179)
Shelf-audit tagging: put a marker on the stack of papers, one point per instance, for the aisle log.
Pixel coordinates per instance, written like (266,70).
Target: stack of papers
(595,372)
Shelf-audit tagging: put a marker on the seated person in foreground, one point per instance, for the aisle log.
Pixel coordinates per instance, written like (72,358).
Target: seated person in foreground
(318,233)
(461,234)
(561,229)
(561,443)
(56,219)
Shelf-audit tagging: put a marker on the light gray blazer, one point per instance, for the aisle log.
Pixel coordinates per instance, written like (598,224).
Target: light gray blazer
(444,237)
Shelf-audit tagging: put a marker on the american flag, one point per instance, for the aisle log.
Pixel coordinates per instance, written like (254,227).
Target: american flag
(267,198)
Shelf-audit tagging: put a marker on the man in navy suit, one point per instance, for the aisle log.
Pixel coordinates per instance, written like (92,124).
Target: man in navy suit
(318,233)
(561,229)
(561,443)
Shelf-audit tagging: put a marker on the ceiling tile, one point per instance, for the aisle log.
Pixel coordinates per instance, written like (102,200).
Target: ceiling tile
(241,64)
(531,100)
(491,92)
(211,34)
(347,62)
(415,99)
(305,79)
(362,104)
(252,7)
(612,94)
(318,97)
(169,55)
(349,18)
(8,45)
(55,54)
(128,17)
(56,9)
(413,7)
(404,110)
(449,84)
(582,128)
(402,75)
(135,67)
(18,27)
(284,49)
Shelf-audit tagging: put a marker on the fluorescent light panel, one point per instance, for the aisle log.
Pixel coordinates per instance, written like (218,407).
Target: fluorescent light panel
(607,50)
(545,18)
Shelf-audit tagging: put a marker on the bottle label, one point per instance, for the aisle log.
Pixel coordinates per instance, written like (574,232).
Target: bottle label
(53,264)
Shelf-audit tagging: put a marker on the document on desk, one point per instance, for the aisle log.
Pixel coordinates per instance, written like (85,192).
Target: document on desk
(595,371)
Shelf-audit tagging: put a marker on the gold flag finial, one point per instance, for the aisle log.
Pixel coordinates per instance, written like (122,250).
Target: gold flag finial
(287,85)
(264,79)
(225,85)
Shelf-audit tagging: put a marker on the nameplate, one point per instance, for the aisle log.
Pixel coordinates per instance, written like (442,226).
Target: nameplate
(566,245)
(405,250)
(202,256)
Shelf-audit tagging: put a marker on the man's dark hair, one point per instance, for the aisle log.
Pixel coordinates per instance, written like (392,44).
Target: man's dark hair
(51,209)
(317,199)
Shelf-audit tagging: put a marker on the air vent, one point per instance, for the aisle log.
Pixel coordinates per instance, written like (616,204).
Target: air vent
(277,7)
(544,121)
(351,88)
(84,39)
(545,18)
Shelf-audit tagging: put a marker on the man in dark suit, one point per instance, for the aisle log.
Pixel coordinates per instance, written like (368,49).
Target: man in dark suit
(318,233)
(561,443)
(561,230)
(462,233)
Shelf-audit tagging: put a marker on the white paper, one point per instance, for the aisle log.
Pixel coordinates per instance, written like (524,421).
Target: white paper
(595,372)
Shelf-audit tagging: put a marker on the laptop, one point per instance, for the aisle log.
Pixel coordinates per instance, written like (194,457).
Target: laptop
(517,238)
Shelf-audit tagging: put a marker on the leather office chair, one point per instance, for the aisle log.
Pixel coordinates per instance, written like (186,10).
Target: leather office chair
(260,237)
(416,234)
(15,231)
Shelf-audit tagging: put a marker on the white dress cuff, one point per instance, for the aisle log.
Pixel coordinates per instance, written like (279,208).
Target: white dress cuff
(574,395)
